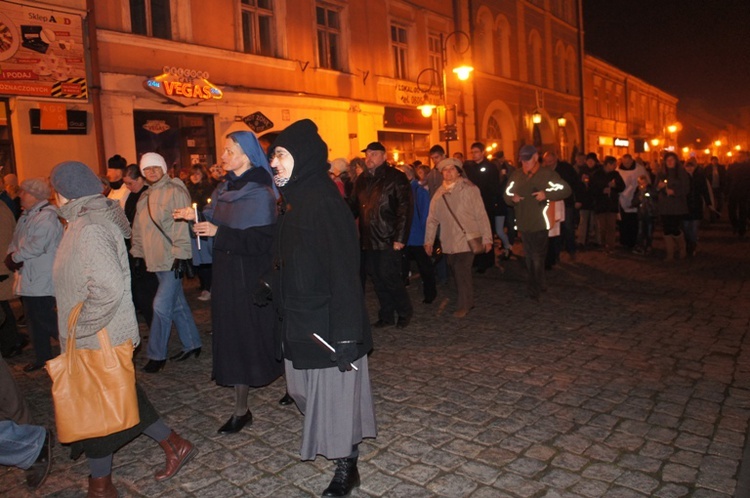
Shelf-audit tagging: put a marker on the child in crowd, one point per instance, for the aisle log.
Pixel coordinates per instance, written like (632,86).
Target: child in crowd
(644,198)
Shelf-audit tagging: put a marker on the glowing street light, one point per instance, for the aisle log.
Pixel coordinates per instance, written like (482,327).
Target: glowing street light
(655,142)
(737,147)
(561,122)
(717,143)
(672,128)
(427,109)
(706,151)
(463,72)
(536,118)
(685,150)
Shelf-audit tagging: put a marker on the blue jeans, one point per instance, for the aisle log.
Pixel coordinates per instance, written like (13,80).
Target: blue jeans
(170,304)
(20,444)
(691,230)
(500,231)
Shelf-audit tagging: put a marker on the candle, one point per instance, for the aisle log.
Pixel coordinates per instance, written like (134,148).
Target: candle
(195,210)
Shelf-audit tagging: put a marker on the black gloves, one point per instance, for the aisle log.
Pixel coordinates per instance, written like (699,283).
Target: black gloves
(262,294)
(12,265)
(346,353)
(182,267)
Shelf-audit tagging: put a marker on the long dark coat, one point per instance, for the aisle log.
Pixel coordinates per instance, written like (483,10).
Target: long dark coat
(243,343)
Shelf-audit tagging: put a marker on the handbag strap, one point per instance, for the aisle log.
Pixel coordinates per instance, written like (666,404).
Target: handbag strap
(454,215)
(102,335)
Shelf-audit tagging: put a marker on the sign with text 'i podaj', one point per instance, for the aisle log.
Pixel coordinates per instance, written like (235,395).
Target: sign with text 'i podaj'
(41,53)
(186,87)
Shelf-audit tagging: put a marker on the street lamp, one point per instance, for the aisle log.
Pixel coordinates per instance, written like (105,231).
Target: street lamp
(536,117)
(449,131)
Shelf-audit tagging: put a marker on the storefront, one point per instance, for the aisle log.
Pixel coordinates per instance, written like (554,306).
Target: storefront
(406,135)
(183,139)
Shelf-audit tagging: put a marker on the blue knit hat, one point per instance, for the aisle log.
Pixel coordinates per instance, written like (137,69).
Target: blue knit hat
(73,179)
(249,144)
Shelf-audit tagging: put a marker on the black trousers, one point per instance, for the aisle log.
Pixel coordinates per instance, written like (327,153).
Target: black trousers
(41,319)
(738,208)
(9,337)
(144,285)
(535,249)
(426,270)
(385,269)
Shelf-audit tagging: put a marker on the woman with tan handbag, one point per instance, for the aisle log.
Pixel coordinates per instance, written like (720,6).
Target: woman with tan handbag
(92,283)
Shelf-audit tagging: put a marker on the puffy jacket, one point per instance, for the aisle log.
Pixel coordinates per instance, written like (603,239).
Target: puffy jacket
(149,242)
(382,202)
(34,244)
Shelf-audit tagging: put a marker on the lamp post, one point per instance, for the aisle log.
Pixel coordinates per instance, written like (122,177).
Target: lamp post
(448,130)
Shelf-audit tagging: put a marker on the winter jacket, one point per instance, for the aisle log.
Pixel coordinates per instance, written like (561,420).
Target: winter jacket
(7,226)
(91,266)
(644,201)
(568,173)
(34,244)
(697,195)
(486,176)
(316,286)
(678,181)
(160,247)
(531,214)
(466,202)
(421,209)
(606,202)
(382,202)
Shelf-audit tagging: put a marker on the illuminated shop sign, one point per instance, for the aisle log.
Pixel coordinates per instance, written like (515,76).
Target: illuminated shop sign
(622,142)
(184,86)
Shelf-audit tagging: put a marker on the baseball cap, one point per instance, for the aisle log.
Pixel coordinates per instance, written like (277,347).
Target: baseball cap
(527,152)
(374,146)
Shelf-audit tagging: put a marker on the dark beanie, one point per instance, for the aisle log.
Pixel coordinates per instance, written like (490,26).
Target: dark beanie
(73,179)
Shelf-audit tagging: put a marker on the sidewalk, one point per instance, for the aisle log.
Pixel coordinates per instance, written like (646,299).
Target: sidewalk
(631,378)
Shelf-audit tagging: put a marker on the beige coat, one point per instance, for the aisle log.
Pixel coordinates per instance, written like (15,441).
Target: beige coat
(466,202)
(7,227)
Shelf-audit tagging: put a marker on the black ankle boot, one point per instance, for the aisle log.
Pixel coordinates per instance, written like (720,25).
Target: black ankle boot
(345,479)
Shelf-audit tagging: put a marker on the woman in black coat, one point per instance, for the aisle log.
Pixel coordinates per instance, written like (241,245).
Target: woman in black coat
(317,291)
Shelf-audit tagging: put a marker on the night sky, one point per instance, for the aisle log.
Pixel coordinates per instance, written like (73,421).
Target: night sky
(689,48)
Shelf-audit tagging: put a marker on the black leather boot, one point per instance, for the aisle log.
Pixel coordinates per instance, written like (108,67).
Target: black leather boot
(345,479)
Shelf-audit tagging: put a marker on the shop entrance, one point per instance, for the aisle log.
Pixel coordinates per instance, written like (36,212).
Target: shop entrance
(183,139)
(405,147)
(7,157)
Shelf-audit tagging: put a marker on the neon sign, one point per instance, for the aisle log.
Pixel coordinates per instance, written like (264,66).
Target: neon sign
(186,87)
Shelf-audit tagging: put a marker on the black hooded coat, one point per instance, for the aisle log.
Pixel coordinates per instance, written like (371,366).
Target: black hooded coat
(316,285)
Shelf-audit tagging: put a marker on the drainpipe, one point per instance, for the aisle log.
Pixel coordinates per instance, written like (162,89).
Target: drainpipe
(477,124)
(95,87)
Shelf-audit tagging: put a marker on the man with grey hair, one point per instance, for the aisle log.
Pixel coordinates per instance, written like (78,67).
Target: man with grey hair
(31,253)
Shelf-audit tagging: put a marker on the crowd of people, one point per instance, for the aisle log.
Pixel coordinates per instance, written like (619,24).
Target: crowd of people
(283,242)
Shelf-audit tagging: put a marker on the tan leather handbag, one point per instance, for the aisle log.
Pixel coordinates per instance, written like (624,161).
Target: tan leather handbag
(93,389)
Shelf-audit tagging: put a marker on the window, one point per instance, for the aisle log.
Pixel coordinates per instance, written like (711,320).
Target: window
(435,54)
(151,18)
(399,47)
(597,109)
(562,67)
(502,40)
(257,27)
(328,22)
(535,52)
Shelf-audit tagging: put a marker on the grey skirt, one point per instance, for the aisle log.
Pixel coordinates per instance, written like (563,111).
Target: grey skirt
(337,406)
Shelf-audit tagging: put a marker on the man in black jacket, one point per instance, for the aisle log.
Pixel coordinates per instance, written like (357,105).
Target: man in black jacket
(382,201)
(572,205)
(485,175)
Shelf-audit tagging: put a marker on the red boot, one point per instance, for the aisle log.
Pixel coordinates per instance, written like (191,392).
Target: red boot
(102,487)
(178,451)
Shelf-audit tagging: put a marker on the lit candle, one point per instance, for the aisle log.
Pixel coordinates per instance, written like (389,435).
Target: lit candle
(195,210)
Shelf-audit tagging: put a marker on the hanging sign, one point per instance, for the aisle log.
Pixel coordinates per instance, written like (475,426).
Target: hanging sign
(258,122)
(184,86)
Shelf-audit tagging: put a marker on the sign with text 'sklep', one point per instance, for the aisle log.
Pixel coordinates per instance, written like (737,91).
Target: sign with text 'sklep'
(41,53)
(184,86)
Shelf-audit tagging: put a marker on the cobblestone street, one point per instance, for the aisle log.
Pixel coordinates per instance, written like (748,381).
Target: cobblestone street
(631,378)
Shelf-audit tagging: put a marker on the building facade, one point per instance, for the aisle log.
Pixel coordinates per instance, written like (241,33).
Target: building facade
(527,83)
(624,114)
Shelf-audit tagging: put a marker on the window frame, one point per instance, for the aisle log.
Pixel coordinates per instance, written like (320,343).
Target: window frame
(149,19)
(400,62)
(257,41)
(328,31)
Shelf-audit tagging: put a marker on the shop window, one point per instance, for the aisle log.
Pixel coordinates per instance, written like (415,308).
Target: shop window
(399,48)
(151,18)
(328,20)
(257,27)
(184,139)
(405,147)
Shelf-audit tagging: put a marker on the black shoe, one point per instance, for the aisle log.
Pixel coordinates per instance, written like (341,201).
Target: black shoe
(39,470)
(345,479)
(33,367)
(382,324)
(235,423)
(402,322)
(286,400)
(184,355)
(16,350)
(154,366)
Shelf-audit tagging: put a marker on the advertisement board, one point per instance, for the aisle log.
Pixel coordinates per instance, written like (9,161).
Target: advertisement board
(42,53)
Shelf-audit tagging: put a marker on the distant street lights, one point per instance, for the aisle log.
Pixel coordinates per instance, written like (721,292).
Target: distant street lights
(448,131)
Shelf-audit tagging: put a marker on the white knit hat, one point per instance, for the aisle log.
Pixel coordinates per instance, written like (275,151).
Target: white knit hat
(150,159)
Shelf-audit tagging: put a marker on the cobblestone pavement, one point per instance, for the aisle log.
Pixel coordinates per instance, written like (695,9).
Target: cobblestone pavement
(629,379)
